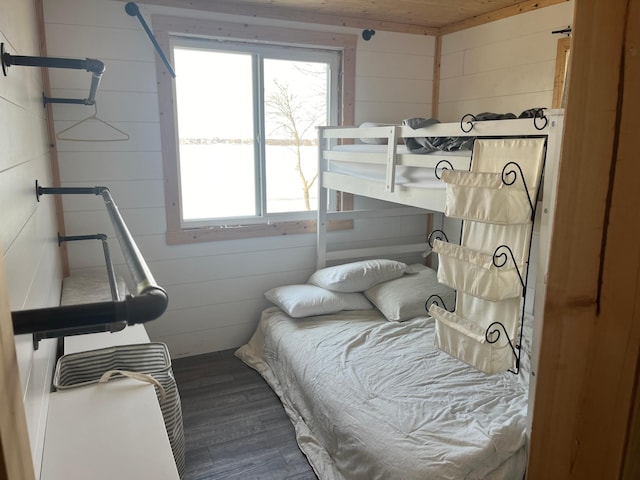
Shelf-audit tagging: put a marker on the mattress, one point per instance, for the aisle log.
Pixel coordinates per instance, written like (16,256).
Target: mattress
(372,399)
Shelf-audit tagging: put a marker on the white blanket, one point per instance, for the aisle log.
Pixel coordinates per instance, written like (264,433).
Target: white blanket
(372,399)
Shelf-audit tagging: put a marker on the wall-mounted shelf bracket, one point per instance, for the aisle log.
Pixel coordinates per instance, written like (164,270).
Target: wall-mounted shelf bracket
(95,67)
(148,303)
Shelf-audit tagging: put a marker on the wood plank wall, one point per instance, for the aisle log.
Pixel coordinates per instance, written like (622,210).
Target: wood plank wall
(27,228)
(394,77)
(503,66)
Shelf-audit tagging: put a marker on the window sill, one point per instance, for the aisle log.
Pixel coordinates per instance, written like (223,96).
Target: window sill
(235,232)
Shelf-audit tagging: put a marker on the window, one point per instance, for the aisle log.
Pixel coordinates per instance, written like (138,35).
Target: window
(246,129)
(238,126)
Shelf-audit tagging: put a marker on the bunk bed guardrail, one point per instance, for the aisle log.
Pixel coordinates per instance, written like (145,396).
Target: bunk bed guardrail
(540,120)
(149,302)
(331,139)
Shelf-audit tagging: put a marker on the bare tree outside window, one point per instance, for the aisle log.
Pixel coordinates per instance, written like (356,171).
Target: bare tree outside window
(244,155)
(295,105)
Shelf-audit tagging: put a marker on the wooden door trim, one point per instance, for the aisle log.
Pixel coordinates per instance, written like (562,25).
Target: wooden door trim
(586,382)
(15,452)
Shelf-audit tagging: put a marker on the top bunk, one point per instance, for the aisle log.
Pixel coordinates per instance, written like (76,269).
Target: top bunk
(376,162)
(402,163)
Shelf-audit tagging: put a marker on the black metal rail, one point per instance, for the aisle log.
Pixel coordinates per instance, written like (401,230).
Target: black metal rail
(149,302)
(96,67)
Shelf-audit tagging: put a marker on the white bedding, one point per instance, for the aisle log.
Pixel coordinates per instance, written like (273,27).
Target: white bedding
(372,399)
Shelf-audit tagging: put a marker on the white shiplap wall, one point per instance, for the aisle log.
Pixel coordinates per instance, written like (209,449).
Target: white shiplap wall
(28,230)
(394,77)
(215,289)
(503,66)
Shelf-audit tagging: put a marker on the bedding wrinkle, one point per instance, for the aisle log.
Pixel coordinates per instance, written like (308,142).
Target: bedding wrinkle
(372,399)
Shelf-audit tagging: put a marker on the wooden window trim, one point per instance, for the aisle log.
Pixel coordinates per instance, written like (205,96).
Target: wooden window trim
(164,27)
(560,80)
(209,234)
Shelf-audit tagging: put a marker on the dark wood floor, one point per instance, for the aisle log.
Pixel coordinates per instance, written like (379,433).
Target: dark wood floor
(235,427)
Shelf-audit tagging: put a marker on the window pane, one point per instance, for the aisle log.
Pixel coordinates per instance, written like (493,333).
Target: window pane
(215,130)
(295,103)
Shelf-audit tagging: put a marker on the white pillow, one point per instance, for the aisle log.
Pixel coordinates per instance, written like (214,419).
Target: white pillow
(299,301)
(404,298)
(373,141)
(357,276)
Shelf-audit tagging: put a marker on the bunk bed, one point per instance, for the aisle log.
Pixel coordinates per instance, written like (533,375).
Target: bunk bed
(374,162)
(351,353)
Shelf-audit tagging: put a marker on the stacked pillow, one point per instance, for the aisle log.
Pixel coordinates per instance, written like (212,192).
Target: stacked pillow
(373,141)
(404,298)
(300,301)
(397,290)
(357,276)
(332,289)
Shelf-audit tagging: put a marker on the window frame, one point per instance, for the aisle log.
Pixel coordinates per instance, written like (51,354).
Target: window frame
(259,54)
(166,27)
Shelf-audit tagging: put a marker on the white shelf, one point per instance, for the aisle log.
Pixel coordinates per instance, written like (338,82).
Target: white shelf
(108,431)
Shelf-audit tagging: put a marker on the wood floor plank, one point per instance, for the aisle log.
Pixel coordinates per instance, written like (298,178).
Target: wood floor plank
(235,426)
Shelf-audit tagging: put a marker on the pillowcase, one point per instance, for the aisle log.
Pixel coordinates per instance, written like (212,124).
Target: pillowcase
(373,141)
(299,301)
(403,298)
(357,276)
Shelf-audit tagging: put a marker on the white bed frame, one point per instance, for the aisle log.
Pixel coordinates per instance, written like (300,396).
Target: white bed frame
(420,200)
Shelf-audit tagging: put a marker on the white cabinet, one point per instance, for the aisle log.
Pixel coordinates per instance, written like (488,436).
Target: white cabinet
(107,431)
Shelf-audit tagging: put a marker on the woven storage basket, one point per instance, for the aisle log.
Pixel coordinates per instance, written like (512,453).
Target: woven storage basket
(86,368)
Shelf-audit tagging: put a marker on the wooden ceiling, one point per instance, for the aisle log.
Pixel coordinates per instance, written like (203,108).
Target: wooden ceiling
(428,17)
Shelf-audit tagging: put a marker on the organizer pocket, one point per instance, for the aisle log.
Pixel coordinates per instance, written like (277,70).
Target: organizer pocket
(483,197)
(474,272)
(466,341)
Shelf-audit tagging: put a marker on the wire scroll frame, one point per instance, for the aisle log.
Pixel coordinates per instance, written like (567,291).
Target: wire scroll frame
(501,255)
(540,120)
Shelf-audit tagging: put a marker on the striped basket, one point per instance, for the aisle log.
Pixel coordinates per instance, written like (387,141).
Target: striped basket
(87,368)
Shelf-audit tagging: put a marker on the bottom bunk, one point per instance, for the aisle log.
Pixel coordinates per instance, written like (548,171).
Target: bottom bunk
(375,399)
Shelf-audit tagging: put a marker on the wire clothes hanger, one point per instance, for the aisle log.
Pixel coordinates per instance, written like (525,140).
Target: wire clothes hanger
(115,134)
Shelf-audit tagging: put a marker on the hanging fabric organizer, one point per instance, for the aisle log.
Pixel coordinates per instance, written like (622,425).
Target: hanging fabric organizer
(496,202)
(475,273)
(484,197)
